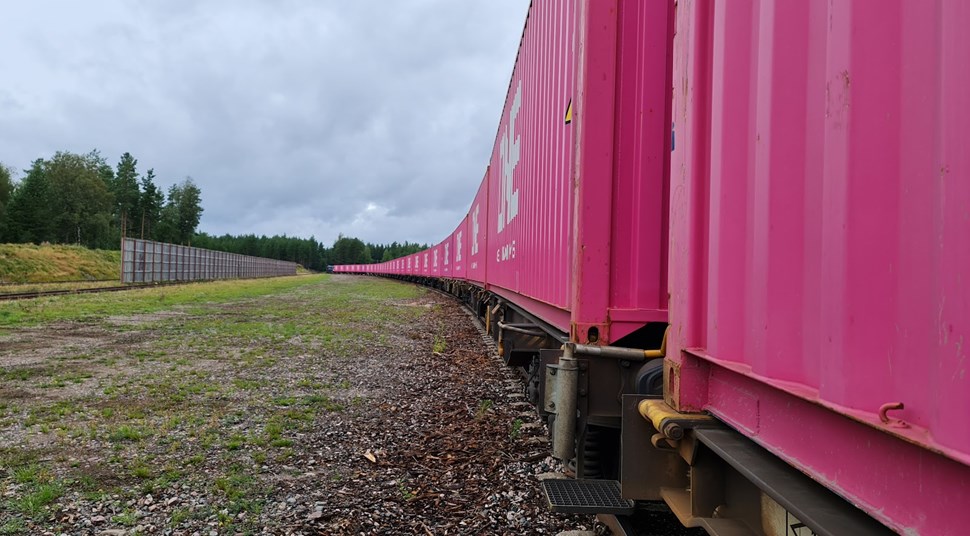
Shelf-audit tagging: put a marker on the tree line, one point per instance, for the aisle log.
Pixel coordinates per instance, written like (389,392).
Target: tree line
(307,252)
(80,199)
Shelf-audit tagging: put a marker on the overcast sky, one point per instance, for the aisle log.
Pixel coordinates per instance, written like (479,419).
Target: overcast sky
(371,118)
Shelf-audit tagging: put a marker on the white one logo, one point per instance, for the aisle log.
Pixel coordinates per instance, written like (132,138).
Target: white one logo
(458,247)
(425,261)
(475,230)
(435,258)
(446,254)
(509,152)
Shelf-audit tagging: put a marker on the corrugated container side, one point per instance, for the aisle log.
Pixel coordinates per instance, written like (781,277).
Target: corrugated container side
(623,123)
(638,285)
(478,233)
(530,193)
(446,256)
(598,70)
(819,232)
(459,246)
(425,262)
(437,258)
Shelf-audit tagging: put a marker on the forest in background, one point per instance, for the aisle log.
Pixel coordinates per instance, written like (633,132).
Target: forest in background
(80,199)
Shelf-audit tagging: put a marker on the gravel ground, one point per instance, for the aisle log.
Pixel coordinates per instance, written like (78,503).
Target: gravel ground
(338,405)
(348,406)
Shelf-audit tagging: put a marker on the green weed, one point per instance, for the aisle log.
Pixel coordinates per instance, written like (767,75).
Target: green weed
(483,408)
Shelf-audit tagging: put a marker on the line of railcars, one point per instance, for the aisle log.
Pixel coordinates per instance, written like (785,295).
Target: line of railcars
(728,244)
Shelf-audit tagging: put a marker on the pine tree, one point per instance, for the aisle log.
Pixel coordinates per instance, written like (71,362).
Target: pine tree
(126,193)
(150,203)
(181,215)
(29,210)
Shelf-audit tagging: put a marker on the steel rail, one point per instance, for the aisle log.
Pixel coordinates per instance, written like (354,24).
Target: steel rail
(93,290)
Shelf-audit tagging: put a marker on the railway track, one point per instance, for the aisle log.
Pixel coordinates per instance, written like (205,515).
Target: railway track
(42,293)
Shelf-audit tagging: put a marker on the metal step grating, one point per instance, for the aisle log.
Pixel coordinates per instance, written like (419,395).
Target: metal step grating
(570,496)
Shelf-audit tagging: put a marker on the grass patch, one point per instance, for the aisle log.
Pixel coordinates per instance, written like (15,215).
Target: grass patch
(178,516)
(195,297)
(34,502)
(38,493)
(13,526)
(247,384)
(181,398)
(28,475)
(141,472)
(516,429)
(236,442)
(285,401)
(126,518)
(322,402)
(22,373)
(235,485)
(483,407)
(127,433)
(29,263)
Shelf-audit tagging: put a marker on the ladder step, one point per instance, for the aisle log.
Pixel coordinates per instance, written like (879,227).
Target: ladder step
(569,496)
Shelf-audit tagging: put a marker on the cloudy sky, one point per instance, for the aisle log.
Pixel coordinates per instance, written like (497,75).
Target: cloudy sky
(371,118)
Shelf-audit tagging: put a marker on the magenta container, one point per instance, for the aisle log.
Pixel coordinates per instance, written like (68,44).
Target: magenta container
(578,237)
(437,260)
(452,265)
(529,241)
(820,243)
(444,249)
(458,256)
(476,223)
(424,263)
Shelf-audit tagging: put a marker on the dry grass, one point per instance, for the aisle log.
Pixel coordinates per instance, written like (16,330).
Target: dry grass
(28,263)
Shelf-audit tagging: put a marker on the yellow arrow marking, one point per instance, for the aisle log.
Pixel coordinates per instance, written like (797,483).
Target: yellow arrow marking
(569,112)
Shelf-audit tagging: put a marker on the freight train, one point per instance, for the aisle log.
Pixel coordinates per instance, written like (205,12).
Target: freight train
(727,242)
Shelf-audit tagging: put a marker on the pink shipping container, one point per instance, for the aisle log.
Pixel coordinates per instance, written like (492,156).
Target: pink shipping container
(555,215)
(424,261)
(477,216)
(820,242)
(446,247)
(459,250)
(437,257)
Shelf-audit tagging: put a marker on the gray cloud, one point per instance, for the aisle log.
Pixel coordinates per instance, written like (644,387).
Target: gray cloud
(368,118)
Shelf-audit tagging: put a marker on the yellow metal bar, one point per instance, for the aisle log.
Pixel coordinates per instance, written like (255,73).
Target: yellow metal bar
(666,420)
